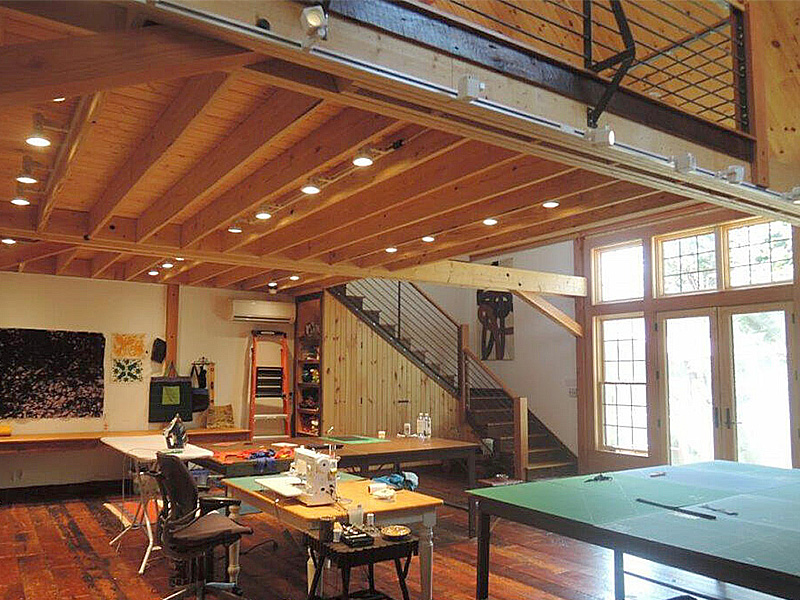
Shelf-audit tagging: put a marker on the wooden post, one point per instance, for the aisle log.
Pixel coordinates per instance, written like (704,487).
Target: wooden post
(520,437)
(755,48)
(463,385)
(173,295)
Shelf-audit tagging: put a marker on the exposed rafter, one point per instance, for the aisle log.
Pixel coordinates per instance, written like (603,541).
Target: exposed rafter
(177,116)
(81,65)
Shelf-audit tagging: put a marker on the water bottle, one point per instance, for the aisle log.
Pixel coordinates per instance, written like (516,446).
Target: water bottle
(427,425)
(420,425)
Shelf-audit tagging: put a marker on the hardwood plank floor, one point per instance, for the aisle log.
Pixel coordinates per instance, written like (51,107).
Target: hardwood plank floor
(58,548)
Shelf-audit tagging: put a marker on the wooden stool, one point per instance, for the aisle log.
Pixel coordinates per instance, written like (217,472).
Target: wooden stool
(346,557)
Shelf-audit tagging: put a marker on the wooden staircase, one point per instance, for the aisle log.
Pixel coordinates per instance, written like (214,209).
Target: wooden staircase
(410,321)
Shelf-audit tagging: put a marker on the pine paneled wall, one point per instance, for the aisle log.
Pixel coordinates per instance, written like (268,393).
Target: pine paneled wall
(364,378)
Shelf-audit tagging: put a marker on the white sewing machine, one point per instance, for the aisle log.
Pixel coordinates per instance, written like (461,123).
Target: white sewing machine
(317,473)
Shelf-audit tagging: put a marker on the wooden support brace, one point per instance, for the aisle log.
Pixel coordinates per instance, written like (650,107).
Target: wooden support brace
(173,297)
(520,437)
(551,312)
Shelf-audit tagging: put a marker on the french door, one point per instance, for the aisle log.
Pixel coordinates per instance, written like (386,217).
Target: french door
(726,387)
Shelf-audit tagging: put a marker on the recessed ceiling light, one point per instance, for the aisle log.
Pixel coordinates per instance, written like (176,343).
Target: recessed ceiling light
(263,215)
(37,137)
(167,265)
(273,284)
(235,229)
(8,241)
(550,204)
(26,174)
(20,201)
(490,221)
(294,277)
(180,258)
(310,188)
(59,99)
(428,239)
(391,249)
(152,273)
(363,160)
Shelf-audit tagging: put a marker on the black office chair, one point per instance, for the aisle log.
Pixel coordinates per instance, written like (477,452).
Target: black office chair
(190,530)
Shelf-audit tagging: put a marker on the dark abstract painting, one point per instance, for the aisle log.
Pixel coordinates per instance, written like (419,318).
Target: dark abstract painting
(496,318)
(51,374)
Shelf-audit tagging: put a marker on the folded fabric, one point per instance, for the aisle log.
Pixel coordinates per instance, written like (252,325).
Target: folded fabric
(405,480)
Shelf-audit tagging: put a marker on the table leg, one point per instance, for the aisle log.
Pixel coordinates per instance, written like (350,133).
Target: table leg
(150,541)
(314,575)
(426,556)
(401,578)
(233,549)
(471,482)
(371,576)
(619,575)
(484,532)
(345,583)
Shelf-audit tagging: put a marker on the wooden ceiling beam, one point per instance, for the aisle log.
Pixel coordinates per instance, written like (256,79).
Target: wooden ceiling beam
(137,265)
(25,252)
(462,225)
(235,276)
(317,286)
(80,65)
(203,272)
(491,194)
(326,145)
(82,16)
(193,96)
(101,263)
(619,212)
(146,255)
(422,146)
(263,279)
(456,164)
(227,159)
(65,259)
(83,118)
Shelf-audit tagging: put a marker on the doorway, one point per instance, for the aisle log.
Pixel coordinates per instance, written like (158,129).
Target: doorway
(726,385)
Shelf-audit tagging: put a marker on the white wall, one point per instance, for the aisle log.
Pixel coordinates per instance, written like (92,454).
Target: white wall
(204,329)
(543,368)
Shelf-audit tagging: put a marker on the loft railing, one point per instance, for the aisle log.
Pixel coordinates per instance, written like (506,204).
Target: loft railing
(688,54)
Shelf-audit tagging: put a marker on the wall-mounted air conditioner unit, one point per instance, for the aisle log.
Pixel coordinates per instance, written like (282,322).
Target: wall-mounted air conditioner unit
(262,311)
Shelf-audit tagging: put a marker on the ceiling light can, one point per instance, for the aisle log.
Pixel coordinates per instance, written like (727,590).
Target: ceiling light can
(294,277)
(428,239)
(490,221)
(9,241)
(550,204)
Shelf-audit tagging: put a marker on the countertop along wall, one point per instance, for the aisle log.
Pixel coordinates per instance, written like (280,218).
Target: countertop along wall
(543,368)
(77,304)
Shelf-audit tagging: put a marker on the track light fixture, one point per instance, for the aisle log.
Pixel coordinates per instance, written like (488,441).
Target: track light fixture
(26,175)
(37,137)
(685,163)
(793,195)
(314,21)
(601,136)
(732,174)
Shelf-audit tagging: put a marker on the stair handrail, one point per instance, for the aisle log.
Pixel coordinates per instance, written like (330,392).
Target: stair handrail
(500,384)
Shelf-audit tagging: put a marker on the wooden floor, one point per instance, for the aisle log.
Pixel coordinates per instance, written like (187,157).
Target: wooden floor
(58,548)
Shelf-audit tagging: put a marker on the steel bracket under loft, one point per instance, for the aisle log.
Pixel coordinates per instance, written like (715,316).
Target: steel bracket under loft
(624,58)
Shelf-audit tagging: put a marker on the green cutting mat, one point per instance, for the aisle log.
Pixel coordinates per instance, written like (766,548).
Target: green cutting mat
(764,531)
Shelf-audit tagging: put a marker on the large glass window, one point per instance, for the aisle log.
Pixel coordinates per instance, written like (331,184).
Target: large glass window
(689,264)
(622,384)
(620,273)
(759,254)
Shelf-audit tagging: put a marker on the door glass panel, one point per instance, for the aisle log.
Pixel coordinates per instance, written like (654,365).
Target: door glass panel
(761,390)
(689,389)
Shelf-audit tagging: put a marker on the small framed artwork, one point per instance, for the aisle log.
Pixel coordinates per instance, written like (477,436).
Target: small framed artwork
(170,396)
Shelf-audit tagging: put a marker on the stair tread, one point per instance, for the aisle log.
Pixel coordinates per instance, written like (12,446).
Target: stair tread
(550,464)
(543,449)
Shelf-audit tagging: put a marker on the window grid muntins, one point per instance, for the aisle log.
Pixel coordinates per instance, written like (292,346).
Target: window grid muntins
(623,385)
(689,264)
(760,254)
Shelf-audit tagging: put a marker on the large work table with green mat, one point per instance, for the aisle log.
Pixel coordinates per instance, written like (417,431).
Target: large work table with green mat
(733,522)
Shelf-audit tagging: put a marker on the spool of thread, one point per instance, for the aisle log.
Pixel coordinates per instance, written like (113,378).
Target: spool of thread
(326,529)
